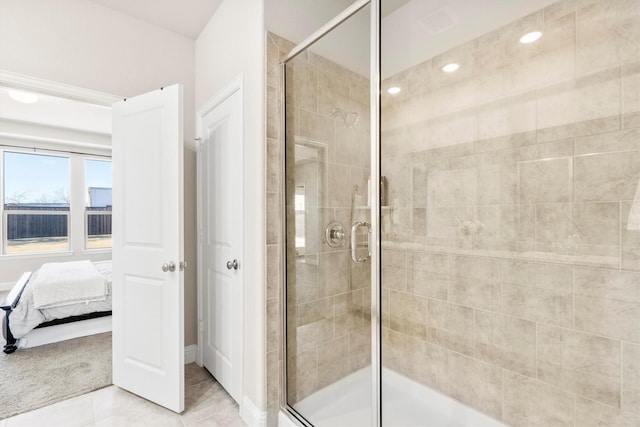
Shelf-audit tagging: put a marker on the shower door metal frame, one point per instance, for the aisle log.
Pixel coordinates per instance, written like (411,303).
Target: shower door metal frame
(376,232)
(376,288)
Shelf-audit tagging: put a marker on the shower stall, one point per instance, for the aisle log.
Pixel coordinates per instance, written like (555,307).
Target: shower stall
(461,205)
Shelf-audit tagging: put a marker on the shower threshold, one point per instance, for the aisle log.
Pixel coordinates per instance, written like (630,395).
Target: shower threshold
(405,403)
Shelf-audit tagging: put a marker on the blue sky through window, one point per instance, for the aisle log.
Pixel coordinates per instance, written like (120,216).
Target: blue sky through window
(98,173)
(34,178)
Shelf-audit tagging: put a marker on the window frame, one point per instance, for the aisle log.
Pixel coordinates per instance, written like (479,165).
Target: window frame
(77,225)
(86,212)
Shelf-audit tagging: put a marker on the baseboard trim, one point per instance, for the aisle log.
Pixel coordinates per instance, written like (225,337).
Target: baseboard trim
(190,352)
(251,415)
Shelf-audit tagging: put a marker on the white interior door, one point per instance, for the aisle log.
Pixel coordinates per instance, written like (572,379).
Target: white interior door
(221,236)
(148,325)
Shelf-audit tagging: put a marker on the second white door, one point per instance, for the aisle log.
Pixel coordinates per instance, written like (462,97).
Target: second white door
(221,237)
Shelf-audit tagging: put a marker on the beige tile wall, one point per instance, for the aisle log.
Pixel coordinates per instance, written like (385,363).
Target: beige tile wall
(275,48)
(511,267)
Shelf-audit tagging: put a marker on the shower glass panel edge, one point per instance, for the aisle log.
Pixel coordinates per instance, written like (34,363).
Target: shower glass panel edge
(376,251)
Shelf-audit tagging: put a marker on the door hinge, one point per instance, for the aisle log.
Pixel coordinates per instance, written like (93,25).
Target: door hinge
(198,143)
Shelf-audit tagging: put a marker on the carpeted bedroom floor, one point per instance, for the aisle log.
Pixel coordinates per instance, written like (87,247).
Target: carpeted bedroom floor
(35,377)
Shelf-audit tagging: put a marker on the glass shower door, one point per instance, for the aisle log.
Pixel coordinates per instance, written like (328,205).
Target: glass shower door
(328,336)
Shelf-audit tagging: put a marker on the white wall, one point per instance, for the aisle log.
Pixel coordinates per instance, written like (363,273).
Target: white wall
(231,44)
(81,43)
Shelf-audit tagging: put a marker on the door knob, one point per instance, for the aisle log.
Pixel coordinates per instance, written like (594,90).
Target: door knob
(232,265)
(171,266)
(182,265)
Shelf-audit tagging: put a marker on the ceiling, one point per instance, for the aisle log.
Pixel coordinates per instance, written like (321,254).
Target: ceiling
(422,29)
(408,25)
(184,17)
(410,28)
(410,36)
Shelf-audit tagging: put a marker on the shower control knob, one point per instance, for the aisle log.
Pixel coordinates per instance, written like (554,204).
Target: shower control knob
(335,235)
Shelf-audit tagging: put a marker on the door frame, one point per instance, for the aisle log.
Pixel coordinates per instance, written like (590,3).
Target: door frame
(230,89)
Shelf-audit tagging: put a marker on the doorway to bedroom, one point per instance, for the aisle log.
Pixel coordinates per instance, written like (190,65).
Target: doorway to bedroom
(55,181)
(69,255)
(55,210)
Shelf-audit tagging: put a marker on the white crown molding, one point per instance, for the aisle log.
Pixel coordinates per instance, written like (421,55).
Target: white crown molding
(48,87)
(27,139)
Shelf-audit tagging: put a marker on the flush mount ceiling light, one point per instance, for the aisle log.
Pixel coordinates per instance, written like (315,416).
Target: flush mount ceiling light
(450,68)
(23,97)
(530,37)
(394,90)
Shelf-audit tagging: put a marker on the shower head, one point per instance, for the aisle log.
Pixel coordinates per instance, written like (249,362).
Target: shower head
(350,118)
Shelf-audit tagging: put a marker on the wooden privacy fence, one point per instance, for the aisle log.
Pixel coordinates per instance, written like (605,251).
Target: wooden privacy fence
(98,223)
(24,222)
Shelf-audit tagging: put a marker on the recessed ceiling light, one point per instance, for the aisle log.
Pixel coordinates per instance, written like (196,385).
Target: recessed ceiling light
(530,37)
(394,90)
(450,68)
(23,97)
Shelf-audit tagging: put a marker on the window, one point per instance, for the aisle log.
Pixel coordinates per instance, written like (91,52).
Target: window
(53,202)
(300,220)
(36,204)
(98,204)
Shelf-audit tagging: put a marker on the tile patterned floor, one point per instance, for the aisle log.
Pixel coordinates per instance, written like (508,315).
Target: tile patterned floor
(206,404)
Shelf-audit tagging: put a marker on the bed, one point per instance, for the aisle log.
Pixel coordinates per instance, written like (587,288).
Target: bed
(57,302)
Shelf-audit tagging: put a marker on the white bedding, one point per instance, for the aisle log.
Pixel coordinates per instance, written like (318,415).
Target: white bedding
(25,316)
(65,283)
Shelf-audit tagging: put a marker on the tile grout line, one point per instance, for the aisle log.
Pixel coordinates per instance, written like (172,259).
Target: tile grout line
(621,405)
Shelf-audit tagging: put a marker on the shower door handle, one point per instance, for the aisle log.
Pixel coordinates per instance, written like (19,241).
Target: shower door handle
(354,241)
